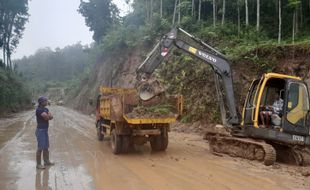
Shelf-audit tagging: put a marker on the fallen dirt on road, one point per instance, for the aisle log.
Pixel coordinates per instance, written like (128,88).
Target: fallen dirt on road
(82,162)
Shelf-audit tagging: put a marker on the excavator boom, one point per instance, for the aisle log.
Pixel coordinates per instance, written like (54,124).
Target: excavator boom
(221,67)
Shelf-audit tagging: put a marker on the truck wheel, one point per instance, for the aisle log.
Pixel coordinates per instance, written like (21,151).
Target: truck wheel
(125,143)
(164,141)
(116,142)
(159,142)
(100,136)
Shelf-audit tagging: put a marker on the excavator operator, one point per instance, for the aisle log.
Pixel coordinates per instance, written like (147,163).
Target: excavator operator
(273,112)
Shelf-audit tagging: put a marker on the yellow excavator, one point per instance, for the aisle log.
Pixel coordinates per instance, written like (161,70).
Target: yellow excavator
(283,136)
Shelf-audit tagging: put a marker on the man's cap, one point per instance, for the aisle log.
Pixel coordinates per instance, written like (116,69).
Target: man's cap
(42,99)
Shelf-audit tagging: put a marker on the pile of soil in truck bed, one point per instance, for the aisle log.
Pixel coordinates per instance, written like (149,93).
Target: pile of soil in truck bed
(156,111)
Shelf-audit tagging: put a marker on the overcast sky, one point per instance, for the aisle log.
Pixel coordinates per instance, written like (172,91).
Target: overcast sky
(55,23)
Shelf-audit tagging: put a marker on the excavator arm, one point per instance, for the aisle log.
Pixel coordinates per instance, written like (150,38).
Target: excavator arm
(219,64)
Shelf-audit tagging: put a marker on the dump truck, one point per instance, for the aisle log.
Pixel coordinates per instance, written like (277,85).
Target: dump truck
(128,120)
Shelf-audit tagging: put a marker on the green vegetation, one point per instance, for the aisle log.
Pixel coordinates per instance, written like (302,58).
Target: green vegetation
(62,68)
(236,28)
(162,109)
(13,17)
(13,94)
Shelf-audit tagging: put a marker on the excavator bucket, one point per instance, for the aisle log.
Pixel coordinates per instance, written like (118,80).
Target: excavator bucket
(146,92)
(149,89)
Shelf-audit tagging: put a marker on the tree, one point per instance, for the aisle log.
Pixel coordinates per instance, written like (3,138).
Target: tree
(193,7)
(179,12)
(151,11)
(100,16)
(280,22)
(214,13)
(257,14)
(13,17)
(161,8)
(293,4)
(223,12)
(246,13)
(238,10)
(174,11)
(199,10)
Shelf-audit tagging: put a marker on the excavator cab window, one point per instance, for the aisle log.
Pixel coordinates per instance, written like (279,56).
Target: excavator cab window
(297,104)
(273,92)
(273,88)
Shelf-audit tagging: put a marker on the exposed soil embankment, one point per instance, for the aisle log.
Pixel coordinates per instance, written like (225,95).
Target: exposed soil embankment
(192,79)
(288,59)
(113,70)
(195,80)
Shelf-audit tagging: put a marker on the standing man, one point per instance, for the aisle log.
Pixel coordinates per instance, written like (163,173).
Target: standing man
(43,116)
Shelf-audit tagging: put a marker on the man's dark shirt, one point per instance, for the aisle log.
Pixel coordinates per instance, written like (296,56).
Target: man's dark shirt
(42,123)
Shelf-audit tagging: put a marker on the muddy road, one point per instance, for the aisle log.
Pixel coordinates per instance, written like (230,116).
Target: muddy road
(82,162)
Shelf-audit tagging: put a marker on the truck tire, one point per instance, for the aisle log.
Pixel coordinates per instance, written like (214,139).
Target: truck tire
(125,143)
(100,136)
(159,142)
(116,142)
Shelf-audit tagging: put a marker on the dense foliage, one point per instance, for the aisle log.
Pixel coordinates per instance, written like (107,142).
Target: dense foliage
(13,94)
(245,22)
(60,68)
(100,15)
(238,28)
(13,17)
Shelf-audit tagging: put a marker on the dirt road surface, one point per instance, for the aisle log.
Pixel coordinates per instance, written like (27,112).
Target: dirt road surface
(82,162)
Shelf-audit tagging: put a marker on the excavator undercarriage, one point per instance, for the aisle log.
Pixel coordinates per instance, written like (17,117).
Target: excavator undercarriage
(222,142)
(241,147)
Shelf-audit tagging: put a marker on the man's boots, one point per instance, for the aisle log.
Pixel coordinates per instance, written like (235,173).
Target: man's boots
(46,159)
(39,165)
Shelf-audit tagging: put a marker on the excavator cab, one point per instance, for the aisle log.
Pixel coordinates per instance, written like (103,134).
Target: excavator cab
(294,116)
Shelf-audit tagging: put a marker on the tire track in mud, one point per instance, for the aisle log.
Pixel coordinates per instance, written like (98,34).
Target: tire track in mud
(82,162)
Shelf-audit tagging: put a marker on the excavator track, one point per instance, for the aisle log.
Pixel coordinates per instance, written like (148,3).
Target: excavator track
(242,147)
(301,155)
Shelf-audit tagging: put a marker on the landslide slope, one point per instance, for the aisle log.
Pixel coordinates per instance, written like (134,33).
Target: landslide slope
(112,70)
(188,76)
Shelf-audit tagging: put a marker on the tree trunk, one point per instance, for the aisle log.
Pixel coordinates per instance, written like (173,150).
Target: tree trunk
(257,15)
(147,10)
(294,23)
(223,13)
(280,22)
(9,36)
(179,12)
(214,12)
(193,7)
(3,54)
(161,8)
(174,11)
(246,13)
(296,20)
(238,20)
(301,15)
(151,11)
(199,11)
